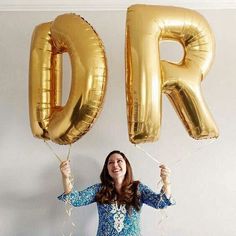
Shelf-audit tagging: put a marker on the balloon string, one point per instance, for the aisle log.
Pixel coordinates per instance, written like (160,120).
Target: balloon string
(163,213)
(148,154)
(191,152)
(68,208)
(180,159)
(152,158)
(58,158)
(68,154)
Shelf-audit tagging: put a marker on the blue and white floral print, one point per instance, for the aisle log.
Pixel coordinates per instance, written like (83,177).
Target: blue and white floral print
(114,220)
(118,216)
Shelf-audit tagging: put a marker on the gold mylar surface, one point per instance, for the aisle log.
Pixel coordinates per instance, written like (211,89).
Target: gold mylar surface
(147,77)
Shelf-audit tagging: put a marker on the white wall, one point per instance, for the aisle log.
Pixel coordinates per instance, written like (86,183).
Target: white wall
(203,180)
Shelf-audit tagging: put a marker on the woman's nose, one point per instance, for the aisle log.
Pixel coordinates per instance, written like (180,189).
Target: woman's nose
(115,164)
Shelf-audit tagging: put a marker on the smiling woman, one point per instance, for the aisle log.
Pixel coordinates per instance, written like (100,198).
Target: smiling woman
(119,198)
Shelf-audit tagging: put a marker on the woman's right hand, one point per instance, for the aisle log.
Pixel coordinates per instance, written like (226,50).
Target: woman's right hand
(65,169)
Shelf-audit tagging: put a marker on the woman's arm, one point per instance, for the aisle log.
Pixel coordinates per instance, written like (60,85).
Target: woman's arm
(153,199)
(162,199)
(81,198)
(165,177)
(66,176)
(74,197)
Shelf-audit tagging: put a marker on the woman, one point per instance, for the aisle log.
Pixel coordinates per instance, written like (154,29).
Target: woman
(119,198)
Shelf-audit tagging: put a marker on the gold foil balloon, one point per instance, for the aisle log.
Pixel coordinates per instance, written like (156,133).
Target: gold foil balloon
(147,77)
(49,120)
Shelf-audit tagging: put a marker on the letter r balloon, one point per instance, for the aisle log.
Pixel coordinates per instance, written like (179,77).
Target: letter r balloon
(49,119)
(147,77)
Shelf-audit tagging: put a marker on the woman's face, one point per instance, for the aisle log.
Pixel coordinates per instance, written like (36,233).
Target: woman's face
(116,166)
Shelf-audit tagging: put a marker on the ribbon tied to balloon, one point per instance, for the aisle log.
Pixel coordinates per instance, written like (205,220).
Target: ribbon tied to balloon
(48,118)
(147,77)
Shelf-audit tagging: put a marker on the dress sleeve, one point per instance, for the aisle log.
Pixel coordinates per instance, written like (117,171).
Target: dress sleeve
(156,200)
(81,198)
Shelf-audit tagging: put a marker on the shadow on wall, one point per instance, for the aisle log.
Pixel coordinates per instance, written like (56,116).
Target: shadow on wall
(41,213)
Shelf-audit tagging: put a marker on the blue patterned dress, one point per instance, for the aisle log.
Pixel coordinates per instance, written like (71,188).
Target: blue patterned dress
(114,220)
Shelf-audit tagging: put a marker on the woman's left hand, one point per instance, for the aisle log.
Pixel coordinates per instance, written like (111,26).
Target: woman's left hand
(165,174)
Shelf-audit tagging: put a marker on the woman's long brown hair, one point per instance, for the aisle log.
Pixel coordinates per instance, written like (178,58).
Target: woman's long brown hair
(129,191)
